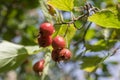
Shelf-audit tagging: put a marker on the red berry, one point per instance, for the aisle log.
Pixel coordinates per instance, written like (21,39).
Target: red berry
(55,55)
(65,54)
(39,66)
(58,42)
(61,54)
(46,29)
(44,41)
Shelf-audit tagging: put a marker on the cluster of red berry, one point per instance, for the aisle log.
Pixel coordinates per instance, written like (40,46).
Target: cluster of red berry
(59,52)
(44,38)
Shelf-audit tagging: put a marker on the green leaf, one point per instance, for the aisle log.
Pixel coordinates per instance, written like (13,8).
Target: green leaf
(90,63)
(79,2)
(32,49)
(78,24)
(66,5)
(61,30)
(105,18)
(101,45)
(11,55)
(90,34)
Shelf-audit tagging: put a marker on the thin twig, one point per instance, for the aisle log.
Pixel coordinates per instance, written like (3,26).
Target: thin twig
(84,35)
(66,30)
(72,21)
(83,38)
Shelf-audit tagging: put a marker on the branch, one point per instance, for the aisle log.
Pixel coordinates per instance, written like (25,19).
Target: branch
(66,30)
(83,38)
(72,21)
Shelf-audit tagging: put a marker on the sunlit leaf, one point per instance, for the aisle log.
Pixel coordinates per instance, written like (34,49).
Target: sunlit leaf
(105,18)
(90,34)
(66,5)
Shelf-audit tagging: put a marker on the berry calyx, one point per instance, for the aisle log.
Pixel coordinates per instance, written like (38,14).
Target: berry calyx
(58,42)
(46,29)
(44,41)
(39,66)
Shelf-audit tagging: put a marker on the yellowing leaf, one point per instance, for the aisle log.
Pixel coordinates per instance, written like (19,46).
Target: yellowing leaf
(66,5)
(90,69)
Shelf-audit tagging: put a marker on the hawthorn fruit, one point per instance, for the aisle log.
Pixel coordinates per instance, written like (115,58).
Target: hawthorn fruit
(58,42)
(61,54)
(44,41)
(39,66)
(65,54)
(46,29)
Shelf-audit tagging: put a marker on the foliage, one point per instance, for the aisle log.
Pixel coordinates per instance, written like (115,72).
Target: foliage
(85,25)
(90,63)
(106,19)
(66,5)
(13,55)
